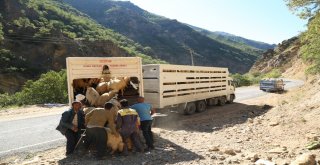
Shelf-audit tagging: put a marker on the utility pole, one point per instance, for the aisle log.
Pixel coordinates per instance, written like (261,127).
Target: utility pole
(190,51)
(191,55)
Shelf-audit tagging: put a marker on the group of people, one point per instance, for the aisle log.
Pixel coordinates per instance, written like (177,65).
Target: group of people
(123,120)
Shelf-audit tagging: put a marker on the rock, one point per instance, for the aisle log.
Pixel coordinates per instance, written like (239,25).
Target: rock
(238,150)
(253,157)
(278,150)
(263,162)
(215,148)
(250,120)
(312,137)
(233,160)
(239,141)
(230,152)
(305,159)
(274,124)
(51,161)
(220,152)
(214,157)
(221,157)
(313,145)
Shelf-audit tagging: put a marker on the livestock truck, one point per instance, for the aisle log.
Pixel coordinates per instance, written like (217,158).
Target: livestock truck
(189,88)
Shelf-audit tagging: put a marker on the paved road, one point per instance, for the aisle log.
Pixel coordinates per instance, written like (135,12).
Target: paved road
(38,133)
(28,135)
(244,93)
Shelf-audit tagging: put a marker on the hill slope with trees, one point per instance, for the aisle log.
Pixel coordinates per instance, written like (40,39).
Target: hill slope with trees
(165,38)
(37,36)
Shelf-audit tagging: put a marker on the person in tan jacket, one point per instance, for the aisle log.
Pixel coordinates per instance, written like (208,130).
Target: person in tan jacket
(95,132)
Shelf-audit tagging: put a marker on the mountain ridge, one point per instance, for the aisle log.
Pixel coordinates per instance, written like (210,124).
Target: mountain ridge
(165,38)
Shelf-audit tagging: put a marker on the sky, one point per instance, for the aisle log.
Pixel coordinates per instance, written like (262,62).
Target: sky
(268,21)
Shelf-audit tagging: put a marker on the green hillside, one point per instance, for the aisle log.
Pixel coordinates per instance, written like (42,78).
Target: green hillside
(36,36)
(164,38)
(255,48)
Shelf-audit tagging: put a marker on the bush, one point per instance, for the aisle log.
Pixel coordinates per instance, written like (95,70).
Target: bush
(241,80)
(7,100)
(51,87)
(247,79)
(275,73)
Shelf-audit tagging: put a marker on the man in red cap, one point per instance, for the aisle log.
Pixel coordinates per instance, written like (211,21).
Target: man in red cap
(71,123)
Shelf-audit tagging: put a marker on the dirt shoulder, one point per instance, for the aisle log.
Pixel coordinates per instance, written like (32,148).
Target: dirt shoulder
(272,128)
(31,111)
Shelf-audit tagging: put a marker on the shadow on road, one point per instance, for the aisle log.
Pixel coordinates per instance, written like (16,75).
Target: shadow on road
(166,152)
(215,118)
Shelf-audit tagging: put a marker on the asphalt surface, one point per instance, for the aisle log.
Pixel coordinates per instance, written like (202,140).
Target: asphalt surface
(29,135)
(38,134)
(244,93)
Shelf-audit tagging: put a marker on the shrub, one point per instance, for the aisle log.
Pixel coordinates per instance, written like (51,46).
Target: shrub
(51,87)
(241,80)
(275,73)
(7,100)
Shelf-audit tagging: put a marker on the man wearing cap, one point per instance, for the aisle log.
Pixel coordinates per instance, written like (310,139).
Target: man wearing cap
(71,123)
(96,133)
(145,111)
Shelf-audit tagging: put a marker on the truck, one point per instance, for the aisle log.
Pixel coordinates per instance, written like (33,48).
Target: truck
(272,85)
(187,88)
(88,72)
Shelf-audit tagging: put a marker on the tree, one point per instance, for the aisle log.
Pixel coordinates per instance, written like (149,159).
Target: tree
(304,8)
(310,49)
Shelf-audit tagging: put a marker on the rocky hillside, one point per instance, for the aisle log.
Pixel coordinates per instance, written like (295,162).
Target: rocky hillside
(165,39)
(282,57)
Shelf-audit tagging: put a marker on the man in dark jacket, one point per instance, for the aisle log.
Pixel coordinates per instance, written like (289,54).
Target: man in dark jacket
(71,123)
(127,124)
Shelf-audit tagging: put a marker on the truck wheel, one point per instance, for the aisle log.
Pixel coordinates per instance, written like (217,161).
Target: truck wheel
(231,99)
(222,101)
(190,108)
(201,106)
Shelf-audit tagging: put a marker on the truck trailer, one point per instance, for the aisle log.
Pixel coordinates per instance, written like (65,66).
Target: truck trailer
(189,88)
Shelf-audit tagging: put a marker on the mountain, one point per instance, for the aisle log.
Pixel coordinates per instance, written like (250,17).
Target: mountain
(164,38)
(255,48)
(37,36)
(282,57)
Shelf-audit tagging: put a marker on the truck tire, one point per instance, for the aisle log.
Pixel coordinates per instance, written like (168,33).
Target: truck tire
(190,108)
(231,99)
(201,106)
(222,101)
